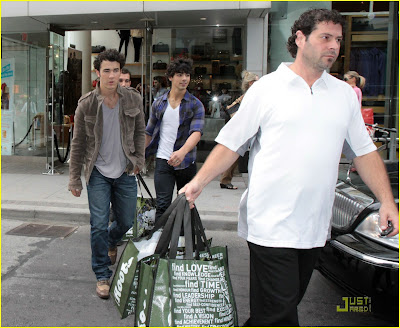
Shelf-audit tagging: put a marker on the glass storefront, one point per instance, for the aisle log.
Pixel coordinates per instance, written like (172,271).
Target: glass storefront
(217,54)
(36,95)
(36,106)
(370,47)
(27,54)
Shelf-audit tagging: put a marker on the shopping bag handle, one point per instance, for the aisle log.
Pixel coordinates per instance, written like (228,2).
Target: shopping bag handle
(141,182)
(193,230)
(202,241)
(169,217)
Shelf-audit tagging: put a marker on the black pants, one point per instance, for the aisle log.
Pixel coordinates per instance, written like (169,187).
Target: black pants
(137,42)
(165,177)
(126,41)
(278,280)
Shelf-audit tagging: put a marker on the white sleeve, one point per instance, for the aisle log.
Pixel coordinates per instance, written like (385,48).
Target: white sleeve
(238,133)
(357,135)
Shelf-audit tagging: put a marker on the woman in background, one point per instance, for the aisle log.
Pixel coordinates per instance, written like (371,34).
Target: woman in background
(357,82)
(248,79)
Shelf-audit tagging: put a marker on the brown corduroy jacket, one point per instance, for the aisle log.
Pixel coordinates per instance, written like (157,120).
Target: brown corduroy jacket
(88,130)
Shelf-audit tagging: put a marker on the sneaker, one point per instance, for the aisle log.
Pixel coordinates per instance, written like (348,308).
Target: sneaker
(112,254)
(103,289)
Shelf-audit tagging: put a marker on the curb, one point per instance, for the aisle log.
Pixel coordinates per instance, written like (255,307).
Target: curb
(212,220)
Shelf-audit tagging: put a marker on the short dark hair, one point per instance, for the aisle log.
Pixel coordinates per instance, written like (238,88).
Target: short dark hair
(307,23)
(111,55)
(160,79)
(180,65)
(125,71)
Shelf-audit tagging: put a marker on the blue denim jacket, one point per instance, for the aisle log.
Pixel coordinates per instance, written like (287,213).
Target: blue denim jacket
(191,119)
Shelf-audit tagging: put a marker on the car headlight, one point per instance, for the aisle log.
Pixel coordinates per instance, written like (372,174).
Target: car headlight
(369,228)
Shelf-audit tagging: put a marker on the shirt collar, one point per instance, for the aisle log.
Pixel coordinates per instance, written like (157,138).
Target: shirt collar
(290,76)
(186,97)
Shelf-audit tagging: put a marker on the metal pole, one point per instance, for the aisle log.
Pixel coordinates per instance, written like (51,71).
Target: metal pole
(52,170)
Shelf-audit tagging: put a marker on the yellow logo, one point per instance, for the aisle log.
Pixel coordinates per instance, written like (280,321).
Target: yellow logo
(355,304)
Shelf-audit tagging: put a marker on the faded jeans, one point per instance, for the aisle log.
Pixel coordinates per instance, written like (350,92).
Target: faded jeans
(101,191)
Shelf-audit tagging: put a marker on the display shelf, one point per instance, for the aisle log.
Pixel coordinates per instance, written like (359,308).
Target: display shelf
(160,53)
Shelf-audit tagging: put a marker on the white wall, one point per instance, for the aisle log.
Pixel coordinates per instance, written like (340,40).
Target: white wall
(82,42)
(256,39)
(37,8)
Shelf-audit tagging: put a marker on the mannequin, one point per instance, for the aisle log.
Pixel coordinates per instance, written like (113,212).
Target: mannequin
(137,37)
(124,36)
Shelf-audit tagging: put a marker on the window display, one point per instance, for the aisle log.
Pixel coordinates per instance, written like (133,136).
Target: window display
(217,61)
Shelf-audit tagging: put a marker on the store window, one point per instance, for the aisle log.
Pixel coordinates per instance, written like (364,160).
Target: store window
(217,54)
(24,88)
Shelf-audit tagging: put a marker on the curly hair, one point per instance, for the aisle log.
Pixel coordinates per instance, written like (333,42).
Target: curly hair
(307,23)
(180,65)
(111,55)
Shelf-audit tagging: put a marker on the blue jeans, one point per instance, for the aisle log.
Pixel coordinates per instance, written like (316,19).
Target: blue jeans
(165,177)
(101,191)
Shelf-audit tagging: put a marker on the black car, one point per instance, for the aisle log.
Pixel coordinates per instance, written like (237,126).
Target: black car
(357,257)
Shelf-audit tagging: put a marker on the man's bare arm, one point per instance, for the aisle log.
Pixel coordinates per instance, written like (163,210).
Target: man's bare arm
(219,160)
(373,172)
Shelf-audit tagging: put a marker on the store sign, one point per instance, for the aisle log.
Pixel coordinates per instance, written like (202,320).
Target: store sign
(7,104)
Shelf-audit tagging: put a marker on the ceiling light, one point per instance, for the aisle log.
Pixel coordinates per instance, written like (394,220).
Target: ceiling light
(94,22)
(203,18)
(217,25)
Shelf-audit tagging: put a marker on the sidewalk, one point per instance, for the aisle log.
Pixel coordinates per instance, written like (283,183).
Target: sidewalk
(27,194)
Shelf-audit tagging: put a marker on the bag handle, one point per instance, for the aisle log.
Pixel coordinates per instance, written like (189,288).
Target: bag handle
(141,181)
(169,217)
(193,233)
(201,233)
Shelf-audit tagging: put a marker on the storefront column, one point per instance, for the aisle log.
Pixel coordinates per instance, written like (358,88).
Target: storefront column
(256,49)
(83,42)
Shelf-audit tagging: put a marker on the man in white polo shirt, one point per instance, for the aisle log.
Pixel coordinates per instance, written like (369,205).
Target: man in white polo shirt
(296,120)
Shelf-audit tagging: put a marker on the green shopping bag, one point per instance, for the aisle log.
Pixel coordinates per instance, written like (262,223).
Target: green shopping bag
(195,291)
(124,286)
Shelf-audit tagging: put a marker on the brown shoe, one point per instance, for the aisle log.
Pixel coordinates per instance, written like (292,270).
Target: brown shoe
(112,254)
(103,289)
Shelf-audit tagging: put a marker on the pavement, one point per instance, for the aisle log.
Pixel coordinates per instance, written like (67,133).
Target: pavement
(28,194)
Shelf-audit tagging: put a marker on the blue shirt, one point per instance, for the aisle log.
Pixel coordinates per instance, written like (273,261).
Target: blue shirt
(191,119)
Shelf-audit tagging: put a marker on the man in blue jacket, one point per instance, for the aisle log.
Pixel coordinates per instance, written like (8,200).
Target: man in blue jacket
(172,133)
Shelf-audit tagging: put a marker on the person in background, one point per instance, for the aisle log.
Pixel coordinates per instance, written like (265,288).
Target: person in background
(285,213)
(108,142)
(357,82)
(172,133)
(159,87)
(125,78)
(248,79)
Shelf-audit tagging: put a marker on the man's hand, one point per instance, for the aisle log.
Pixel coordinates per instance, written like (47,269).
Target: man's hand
(389,212)
(192,190)
(136,170)
(76,192)
(176,158)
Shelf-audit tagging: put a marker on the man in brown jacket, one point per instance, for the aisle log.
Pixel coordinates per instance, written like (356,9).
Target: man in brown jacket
(109,142)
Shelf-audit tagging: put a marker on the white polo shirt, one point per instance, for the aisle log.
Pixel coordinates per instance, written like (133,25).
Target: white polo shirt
(296,136)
